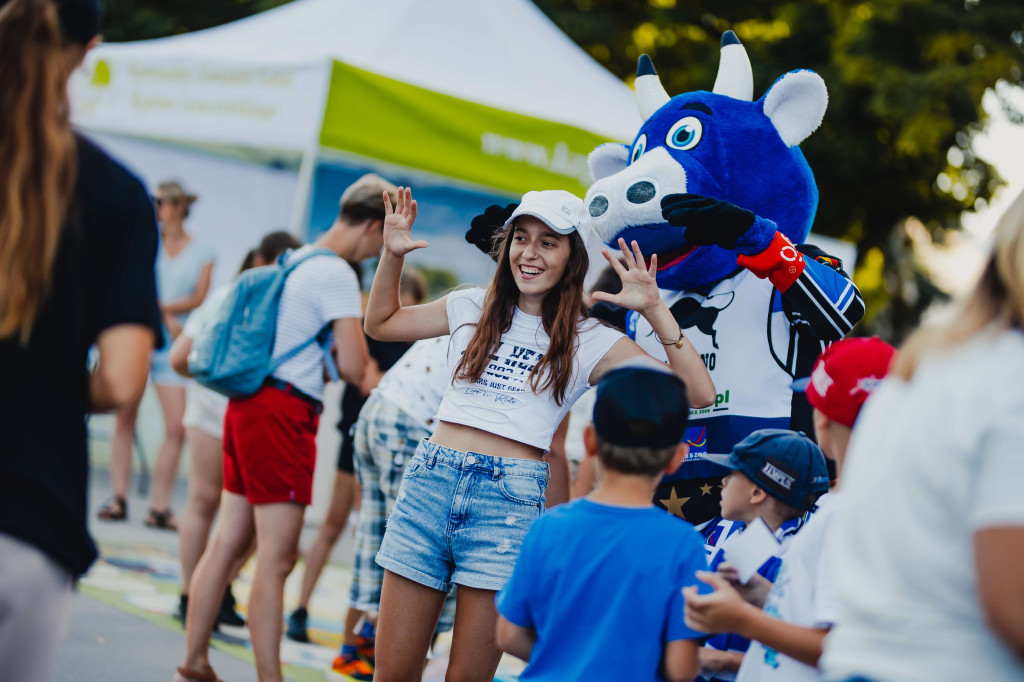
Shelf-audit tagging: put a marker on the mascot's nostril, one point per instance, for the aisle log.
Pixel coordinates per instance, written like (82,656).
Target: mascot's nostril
(641,192)
(598,206)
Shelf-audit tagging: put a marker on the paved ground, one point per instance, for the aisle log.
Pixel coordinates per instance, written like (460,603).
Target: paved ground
(105,643)
(121,628)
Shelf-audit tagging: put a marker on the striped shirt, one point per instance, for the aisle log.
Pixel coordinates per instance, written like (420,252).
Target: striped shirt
(317,292)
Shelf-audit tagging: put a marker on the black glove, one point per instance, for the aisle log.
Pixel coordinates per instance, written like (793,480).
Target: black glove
(483,227)
(707,220)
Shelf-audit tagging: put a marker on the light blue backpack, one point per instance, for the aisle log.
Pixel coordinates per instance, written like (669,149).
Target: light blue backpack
(233,354)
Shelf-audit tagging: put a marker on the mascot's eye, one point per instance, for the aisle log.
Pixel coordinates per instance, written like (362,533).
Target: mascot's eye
(685,134)
(639,148)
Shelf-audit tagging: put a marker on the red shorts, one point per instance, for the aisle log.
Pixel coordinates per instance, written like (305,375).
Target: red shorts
(270,447)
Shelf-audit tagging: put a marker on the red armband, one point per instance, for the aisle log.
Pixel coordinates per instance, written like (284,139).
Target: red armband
(781,263)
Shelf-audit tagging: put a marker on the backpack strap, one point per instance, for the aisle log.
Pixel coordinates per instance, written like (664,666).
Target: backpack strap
(290,264)
(322,337)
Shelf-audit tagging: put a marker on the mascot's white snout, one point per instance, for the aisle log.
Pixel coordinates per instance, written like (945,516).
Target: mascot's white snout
(632,196)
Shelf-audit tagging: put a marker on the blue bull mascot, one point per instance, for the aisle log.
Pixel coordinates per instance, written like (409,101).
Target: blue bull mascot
(715,185)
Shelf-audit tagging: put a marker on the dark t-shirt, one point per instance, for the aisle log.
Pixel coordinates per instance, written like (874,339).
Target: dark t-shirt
(386,353)
(103,276)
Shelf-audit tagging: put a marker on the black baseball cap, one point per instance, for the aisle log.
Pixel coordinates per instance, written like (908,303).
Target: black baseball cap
(641,403)
(787,464)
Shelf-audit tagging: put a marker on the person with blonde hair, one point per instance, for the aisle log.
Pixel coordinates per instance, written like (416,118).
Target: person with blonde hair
(930,531)
(184,266)
(77,246)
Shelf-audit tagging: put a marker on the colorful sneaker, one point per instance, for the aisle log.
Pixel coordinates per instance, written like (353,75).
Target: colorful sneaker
(297,626)
(366,642)
(351,667)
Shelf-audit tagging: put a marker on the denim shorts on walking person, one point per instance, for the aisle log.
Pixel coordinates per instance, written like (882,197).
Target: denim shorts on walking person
(461,517)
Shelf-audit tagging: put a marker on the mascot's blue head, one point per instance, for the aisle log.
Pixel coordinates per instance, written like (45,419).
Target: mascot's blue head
(718,144)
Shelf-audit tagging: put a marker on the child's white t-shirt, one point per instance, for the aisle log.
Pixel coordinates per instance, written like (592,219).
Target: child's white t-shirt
(502,402)
(804,594)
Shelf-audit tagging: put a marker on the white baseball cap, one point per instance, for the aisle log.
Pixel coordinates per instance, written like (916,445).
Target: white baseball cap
(560,210)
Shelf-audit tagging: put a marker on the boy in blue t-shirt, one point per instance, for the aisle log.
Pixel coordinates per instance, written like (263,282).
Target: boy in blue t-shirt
(596,591)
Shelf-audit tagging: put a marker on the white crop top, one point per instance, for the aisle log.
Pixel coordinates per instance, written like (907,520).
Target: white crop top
(501,402)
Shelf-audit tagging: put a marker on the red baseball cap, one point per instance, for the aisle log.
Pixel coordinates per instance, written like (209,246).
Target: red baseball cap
(845,375)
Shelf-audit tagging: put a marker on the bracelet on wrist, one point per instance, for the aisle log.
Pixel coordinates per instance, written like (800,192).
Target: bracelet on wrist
(678,343)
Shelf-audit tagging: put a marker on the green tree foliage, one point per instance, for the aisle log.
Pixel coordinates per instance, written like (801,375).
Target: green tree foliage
(905,79)
(145,19)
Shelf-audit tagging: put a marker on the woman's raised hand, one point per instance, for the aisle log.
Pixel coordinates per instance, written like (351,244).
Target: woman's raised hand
(398,224)
(639,285)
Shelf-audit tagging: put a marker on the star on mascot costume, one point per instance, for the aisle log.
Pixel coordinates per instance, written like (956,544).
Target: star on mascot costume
(715,185)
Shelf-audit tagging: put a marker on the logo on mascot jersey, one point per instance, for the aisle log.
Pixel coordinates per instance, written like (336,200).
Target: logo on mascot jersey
(697,438)
(721,405)
(690,312)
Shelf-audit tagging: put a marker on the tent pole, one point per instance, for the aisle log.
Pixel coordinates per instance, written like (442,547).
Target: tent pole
(303,192)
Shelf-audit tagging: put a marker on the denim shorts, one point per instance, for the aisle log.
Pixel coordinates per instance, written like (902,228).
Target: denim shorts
(461,517)
(162,372)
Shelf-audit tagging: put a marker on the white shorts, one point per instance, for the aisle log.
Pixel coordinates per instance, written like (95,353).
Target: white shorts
(204,410)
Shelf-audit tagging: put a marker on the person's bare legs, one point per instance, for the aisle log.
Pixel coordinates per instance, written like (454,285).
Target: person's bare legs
(206,478)
(342,497)
(121,444)
(405,626)
(352,618)
(277,548)
(165,471)
(475,653)
(232,537)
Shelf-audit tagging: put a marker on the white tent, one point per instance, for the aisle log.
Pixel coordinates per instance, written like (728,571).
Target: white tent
(489,98)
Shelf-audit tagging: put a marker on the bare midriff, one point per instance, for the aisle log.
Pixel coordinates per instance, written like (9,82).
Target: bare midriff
(470,439)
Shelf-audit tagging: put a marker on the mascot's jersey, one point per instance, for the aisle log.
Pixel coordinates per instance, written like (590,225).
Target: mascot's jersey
(754,341)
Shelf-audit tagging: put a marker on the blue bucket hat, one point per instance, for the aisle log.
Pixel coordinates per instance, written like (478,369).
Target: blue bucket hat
(788,465)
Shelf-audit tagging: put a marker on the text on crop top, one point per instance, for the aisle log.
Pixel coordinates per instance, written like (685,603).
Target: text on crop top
(502,402)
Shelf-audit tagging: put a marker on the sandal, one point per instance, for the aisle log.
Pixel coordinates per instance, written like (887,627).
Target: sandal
(198,676)
(164,520)
(114,509)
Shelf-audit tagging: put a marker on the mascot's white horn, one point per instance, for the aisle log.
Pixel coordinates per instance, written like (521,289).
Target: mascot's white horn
(735,77)
(650,93)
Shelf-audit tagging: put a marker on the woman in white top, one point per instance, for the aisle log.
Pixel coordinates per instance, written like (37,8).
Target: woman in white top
(930,529)
(527,353)
(183,270)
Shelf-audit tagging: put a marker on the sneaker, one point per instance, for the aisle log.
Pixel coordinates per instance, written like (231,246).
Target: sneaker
(351,667)
(296,630)
(182,610)
(227,614)
(366,642)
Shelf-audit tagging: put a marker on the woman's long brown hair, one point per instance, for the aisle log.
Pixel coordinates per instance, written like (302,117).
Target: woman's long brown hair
(561,312)
(37,158)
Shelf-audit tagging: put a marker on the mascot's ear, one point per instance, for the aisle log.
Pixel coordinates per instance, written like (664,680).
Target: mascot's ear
(796,105)
(608,159)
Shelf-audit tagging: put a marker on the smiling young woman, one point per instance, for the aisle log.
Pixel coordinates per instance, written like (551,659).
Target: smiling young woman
(523,351)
